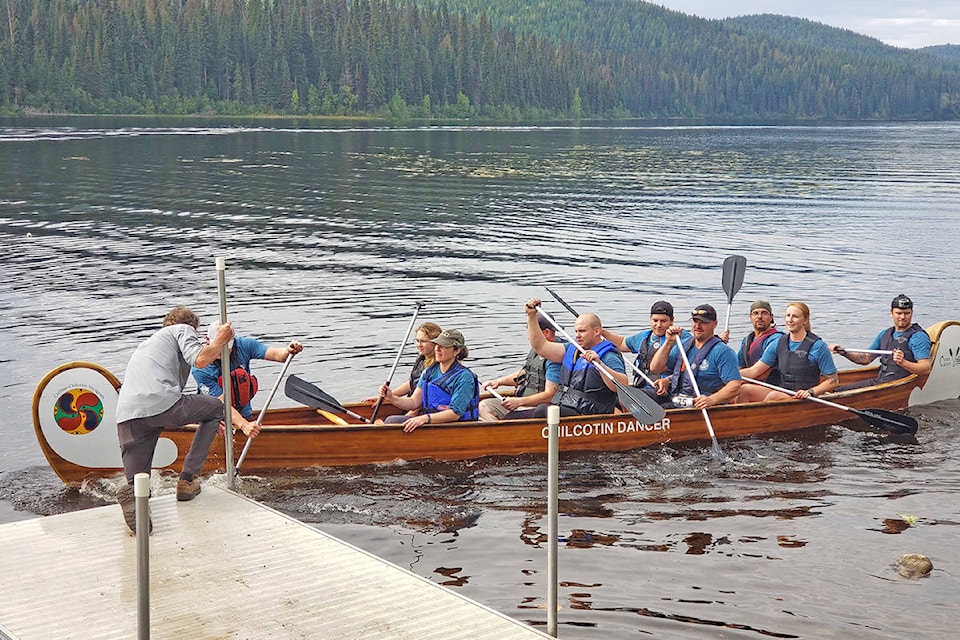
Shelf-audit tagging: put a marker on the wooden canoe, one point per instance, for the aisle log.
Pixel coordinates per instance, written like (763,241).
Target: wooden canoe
(75,404)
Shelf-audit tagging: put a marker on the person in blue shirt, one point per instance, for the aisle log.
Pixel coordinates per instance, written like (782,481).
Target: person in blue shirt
(536,383)
(907,340)
(803,359)
(646,342)
(447,390)
(243,349)
(582,389)
(713,362)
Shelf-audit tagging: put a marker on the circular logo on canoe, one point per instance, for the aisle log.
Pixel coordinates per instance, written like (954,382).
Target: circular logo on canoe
(78,411)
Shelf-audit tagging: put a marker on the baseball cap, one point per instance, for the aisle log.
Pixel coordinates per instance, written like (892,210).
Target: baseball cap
(760,304)
(450,338)
(704,312)
(901,302)
(662,307)
(212,333)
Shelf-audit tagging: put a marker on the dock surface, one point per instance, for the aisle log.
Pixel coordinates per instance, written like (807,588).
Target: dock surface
(222,566)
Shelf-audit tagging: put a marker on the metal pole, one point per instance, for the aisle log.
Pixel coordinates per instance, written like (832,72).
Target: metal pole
(141,493)
(225,376)
(553,470)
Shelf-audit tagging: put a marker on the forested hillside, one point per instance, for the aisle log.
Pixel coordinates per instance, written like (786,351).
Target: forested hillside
(503,59)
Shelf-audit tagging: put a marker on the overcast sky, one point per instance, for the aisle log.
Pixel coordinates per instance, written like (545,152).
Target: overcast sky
(901,23)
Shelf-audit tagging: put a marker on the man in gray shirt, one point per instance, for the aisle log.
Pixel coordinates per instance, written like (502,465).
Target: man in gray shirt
(152,399)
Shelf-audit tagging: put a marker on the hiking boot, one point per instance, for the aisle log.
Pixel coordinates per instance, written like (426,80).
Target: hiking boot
(187,489)
(128,503)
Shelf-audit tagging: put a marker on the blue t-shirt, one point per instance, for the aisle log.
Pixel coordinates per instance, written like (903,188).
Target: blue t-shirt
(553,371)
(461,384)
(819,355)
(634,342)
(919,343)
(717,369)
(244,350)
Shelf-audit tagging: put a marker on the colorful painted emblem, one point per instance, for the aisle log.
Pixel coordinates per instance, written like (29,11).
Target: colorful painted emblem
(78,411)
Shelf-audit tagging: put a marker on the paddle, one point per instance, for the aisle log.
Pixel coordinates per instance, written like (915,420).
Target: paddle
(732,279)
(643,407)
(880,418)
(311,395)
(876,352)
(717,451)
(396,361)
(566,306)
(263,411)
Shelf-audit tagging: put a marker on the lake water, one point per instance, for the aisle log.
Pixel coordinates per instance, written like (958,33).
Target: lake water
(331,234)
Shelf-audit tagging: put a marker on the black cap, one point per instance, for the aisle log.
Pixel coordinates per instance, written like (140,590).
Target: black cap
(662,307)
(704,312)
(901,302)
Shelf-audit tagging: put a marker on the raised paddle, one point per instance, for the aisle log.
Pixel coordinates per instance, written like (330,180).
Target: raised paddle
(732,279)
(880,418)
(312,396)
(396,361)
(643,407)
(566,306)
(717,451)
(263,411)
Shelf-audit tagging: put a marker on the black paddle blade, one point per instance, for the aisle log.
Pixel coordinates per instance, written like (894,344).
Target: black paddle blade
(310,395)
(562,302)
(643,407)
(734,268)
(891,421)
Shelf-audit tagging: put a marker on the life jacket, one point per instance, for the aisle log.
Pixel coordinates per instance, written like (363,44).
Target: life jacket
(437,393)
(644,355)
(582,387)
(534,377)
(752,351)
(889,370)
(796,370)
(416,372)
(679,382)
(243,385)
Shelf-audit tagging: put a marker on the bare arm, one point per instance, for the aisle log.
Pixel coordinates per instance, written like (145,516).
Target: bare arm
(552,351)
(620,342)
(279,354)
(549,390)
(724,394)
(658,363)
(857,358)
(213,351)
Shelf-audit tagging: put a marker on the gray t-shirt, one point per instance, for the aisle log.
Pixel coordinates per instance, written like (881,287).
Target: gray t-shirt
(157,372)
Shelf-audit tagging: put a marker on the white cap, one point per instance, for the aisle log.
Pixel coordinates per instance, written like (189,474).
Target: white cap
(212,334)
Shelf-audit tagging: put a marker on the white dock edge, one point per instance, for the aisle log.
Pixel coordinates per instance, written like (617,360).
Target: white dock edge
(222,566)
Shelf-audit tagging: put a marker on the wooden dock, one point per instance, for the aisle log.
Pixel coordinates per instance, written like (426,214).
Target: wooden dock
(222,566)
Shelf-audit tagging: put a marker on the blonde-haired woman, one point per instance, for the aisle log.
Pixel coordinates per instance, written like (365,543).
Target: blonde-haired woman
(804,361)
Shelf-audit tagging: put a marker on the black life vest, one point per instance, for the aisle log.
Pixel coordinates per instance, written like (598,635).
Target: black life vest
(644,355)
(889,370)
(796,370)
(416,372)
(582,387)
(534,377)
(679,382)
(752,351)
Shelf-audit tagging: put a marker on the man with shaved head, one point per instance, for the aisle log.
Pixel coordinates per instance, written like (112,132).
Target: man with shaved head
(582,389)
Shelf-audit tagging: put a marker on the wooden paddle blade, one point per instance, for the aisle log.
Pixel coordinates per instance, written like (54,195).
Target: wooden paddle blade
(891,421)
(643,407)
(734,268)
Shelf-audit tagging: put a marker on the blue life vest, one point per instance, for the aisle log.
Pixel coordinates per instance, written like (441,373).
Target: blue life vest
(437,393)
(680,383)
(796,370)
(582,388)
(889,370)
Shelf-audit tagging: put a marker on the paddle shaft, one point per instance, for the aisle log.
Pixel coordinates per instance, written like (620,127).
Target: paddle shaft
(574,312)
(696,390)
(263,411)
(876,352)
(396,361)
(790,393)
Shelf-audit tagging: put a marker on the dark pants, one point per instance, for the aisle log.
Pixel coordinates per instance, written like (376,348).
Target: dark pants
(541,411)
(138,437)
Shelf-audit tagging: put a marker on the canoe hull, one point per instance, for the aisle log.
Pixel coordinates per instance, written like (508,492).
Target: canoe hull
(300,438)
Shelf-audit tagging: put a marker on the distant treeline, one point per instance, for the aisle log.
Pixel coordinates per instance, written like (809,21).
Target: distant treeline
(499,59)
